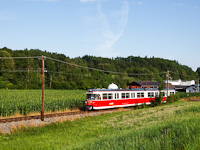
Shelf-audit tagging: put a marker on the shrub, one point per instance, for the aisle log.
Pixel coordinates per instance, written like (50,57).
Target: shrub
(172,98)
(157,101)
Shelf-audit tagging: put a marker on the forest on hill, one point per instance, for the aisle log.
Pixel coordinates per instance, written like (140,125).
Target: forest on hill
(96,72)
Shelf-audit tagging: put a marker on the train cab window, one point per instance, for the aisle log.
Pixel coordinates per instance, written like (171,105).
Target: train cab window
(110,96)
(116,95)
(105,95)
(92,96)
(127,95)
(123,95)
(132,95)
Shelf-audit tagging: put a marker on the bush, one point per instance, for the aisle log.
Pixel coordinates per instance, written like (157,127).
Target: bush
(157,101)
(172,98)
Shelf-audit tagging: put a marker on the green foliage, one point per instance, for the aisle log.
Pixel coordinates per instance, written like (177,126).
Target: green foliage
(157,101)
(64,76)
(184,95)
(172,98)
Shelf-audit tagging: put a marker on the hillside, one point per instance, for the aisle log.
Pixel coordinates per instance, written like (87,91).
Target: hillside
(26,73)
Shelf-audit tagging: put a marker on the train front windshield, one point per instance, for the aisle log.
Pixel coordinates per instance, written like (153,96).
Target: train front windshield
(92,97)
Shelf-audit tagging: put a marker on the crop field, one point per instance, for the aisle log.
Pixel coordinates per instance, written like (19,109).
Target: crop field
(24,102)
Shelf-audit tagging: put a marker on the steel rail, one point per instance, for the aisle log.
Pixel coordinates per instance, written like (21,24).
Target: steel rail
(15,119)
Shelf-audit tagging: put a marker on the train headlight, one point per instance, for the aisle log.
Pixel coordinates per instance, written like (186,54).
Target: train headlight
(89,102)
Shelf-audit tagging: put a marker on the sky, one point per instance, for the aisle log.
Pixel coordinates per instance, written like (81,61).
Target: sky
(168,29)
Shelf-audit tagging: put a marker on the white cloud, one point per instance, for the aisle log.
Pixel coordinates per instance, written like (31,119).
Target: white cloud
(84,1)
(111,37)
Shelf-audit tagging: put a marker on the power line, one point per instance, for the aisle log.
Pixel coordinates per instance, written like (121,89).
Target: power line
(19,71)
(138,74)
(20,57)
(179,73)
(72,64)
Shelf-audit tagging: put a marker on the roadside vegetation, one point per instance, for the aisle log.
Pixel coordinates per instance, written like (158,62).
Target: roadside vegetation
(172,126)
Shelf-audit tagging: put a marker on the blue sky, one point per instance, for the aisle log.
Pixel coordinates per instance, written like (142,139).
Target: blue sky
(167,29)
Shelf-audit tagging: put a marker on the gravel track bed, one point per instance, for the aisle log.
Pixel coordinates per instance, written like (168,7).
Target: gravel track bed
(10,127)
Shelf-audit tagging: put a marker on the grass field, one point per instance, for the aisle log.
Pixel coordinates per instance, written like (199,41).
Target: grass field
(25,102)
(171,126)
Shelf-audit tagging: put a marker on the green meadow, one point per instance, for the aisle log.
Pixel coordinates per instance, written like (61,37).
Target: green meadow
(170,126)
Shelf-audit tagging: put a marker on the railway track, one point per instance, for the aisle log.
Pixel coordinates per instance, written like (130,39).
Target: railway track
(15,119)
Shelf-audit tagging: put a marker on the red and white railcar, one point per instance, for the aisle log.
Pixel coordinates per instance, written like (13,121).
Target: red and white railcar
(113,98)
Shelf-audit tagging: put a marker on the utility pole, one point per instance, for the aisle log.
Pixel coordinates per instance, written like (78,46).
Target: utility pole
(42,112)
(197,84)
(167,82)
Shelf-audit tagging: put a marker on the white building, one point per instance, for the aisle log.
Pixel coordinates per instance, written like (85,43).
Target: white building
(180,82)
(179,85)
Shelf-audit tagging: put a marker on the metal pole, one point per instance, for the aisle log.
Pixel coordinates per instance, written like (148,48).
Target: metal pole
(167,82)
(197,85)
(42,112)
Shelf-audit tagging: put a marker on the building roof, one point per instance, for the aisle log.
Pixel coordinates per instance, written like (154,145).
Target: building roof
(169,86)
(140,83)
(181,87)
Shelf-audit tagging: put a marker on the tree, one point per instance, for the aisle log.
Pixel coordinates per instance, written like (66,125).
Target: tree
(6,65)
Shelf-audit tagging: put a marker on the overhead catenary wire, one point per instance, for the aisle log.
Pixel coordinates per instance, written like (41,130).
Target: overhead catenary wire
(19,71)
(72,64)
(20,57)
(179,74)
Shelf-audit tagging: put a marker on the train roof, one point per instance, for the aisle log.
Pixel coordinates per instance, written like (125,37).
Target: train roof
(133,89)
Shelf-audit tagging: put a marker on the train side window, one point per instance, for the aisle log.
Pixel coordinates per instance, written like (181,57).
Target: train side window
(127,95)
(138,95)
(156,94)
(142,94)
(162,93)
(123,95)
(104,95)
(150,94)
(110,96)
(171,93)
